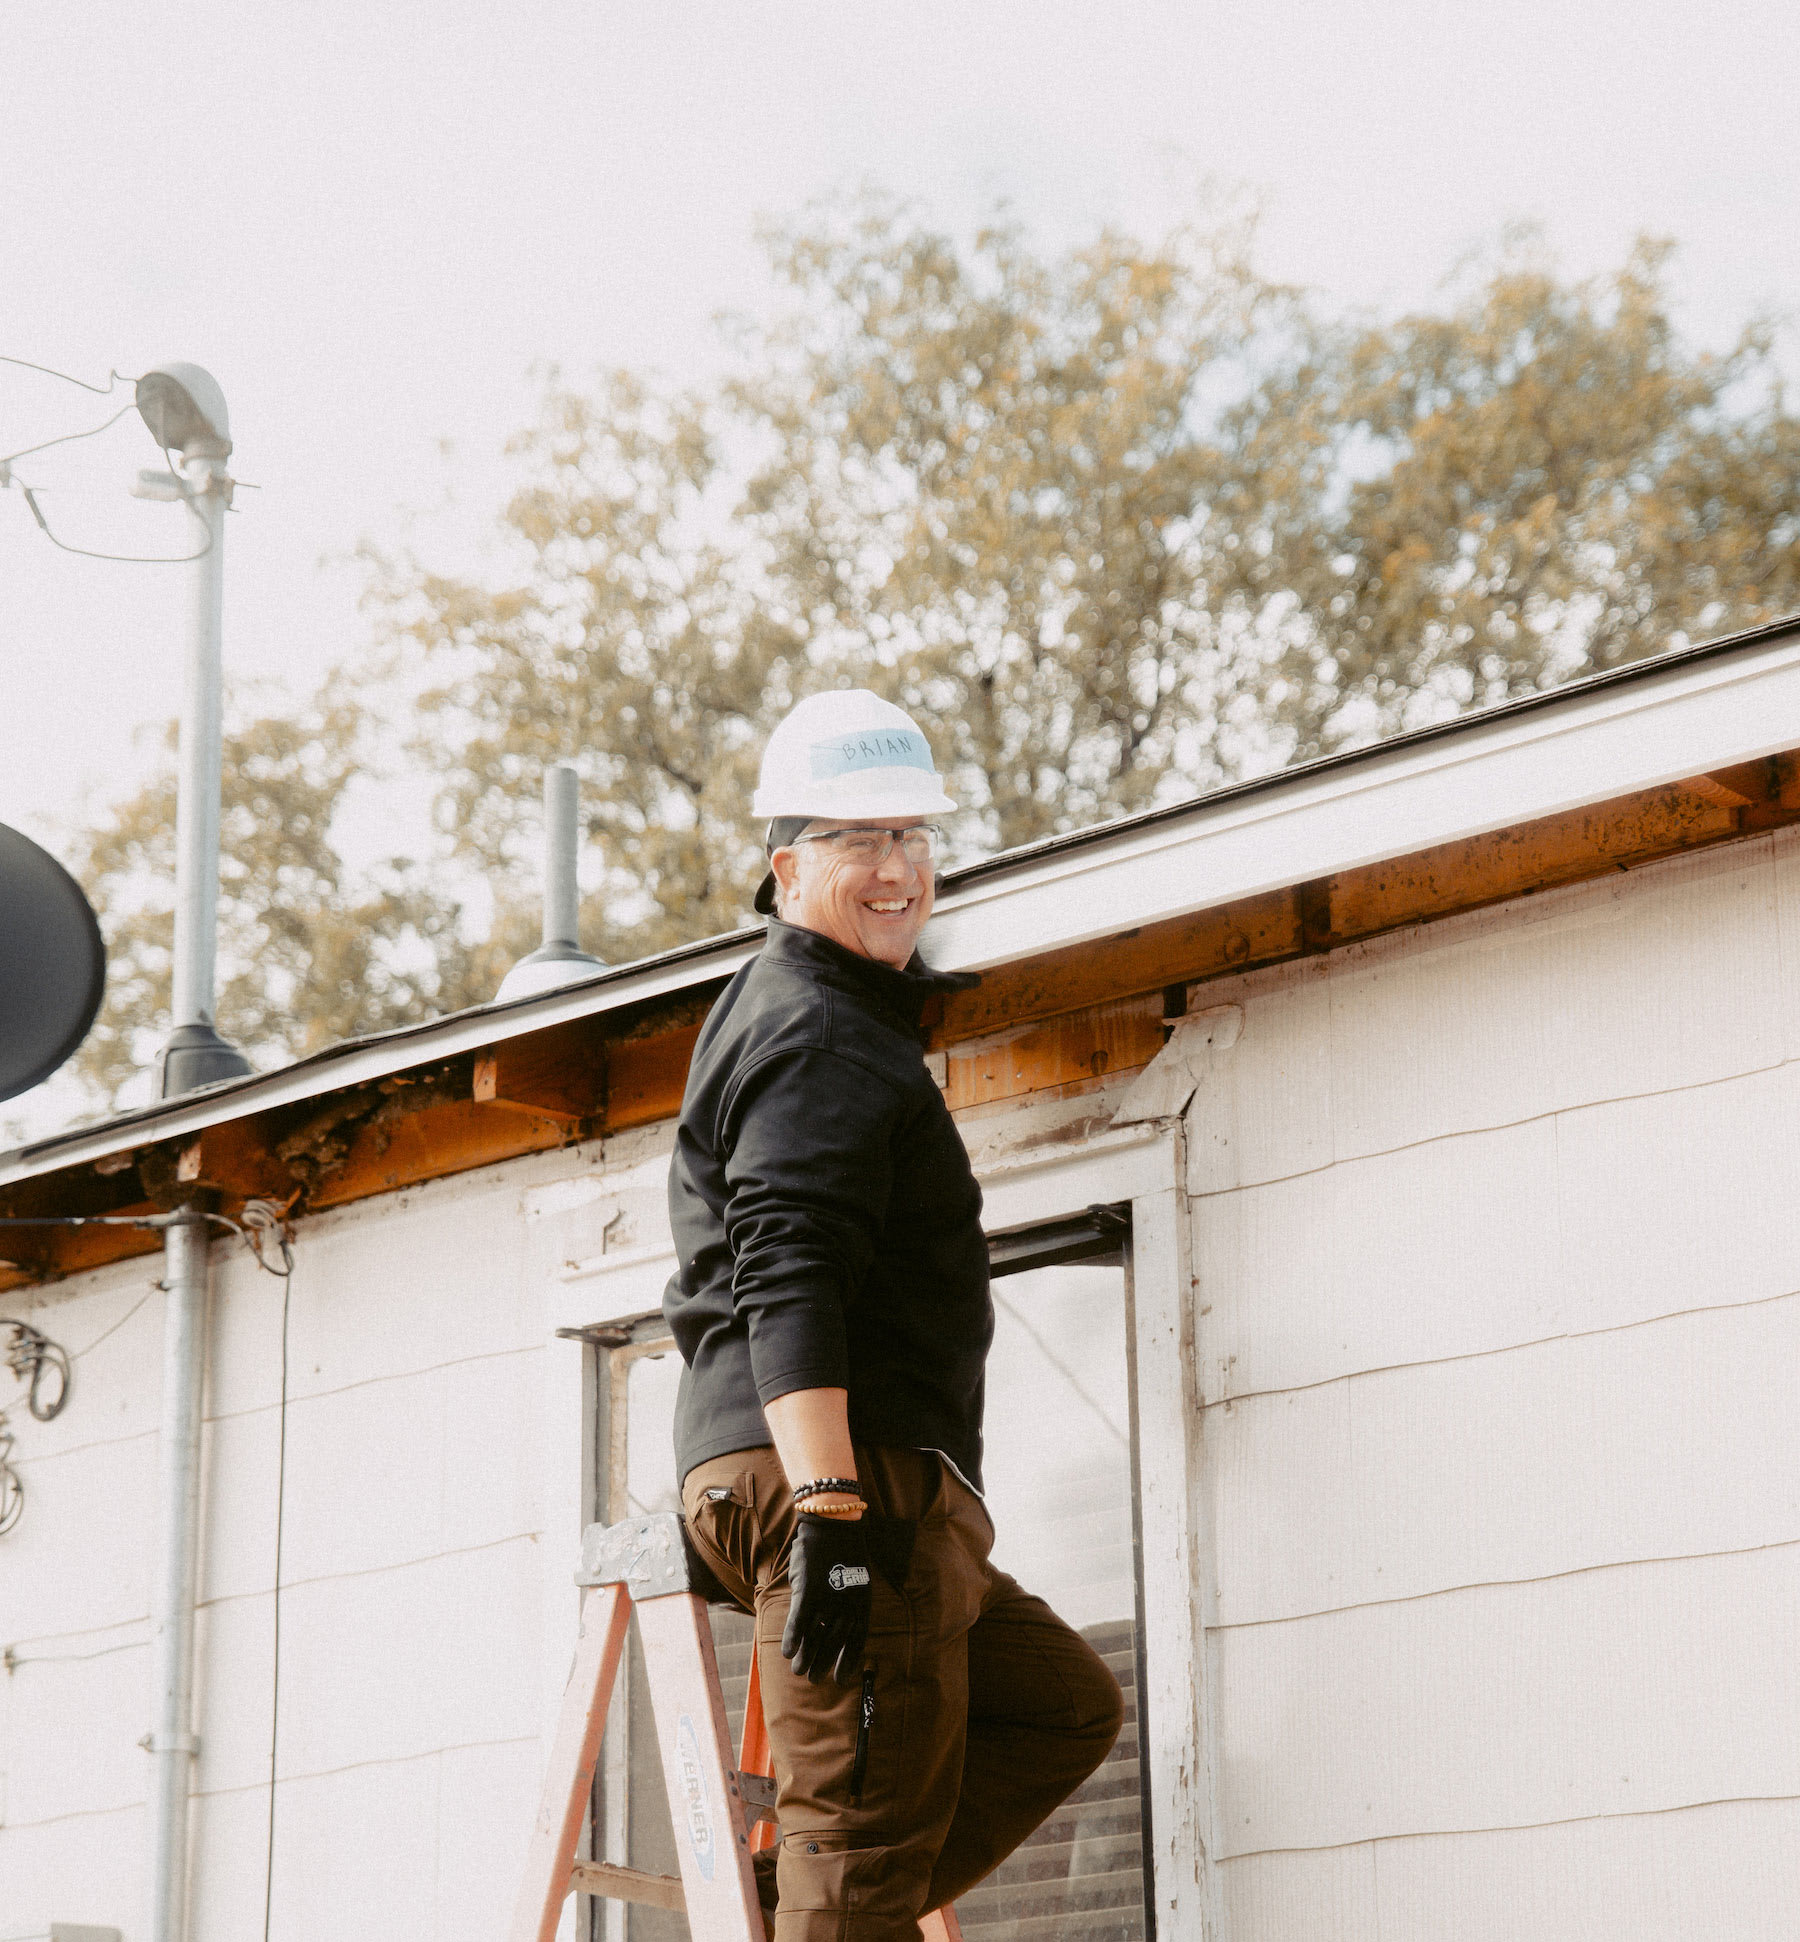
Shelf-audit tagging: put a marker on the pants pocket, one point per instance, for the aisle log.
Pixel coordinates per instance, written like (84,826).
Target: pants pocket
(834,1872)
(891,1542)
(721,1523)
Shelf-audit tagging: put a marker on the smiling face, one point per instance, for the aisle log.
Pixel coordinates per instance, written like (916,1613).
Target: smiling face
(876,910)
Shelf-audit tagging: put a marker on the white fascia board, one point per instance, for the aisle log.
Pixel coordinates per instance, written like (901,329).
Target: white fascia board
(1584,745)
(1484,776)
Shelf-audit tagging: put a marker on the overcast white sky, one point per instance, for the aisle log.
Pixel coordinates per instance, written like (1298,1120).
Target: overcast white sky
(370,222)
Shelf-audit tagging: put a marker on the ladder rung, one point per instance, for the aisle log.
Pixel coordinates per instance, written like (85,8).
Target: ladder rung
(615,1884)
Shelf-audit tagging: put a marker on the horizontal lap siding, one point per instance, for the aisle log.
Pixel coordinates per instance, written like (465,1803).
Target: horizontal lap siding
(1673,1439)
(422,1572)
(1497,1255)
(87,1868)
(67,1751)
(1592,1218)
(1642,1686)
(1723,1871)
(1674,975)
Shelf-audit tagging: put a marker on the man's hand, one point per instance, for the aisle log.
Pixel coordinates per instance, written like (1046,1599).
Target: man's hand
(828,1609)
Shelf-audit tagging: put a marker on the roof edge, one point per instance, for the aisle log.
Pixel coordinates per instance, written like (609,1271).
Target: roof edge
(359,1060)
(1296,773)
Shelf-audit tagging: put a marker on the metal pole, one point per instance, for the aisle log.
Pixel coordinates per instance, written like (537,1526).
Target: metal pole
(171,1740)
(562,896)
(196,1055)
(197,805)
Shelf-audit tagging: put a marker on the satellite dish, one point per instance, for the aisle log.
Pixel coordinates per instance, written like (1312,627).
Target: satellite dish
(52,964)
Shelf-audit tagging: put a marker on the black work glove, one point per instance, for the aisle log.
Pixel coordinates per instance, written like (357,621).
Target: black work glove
(828,1608)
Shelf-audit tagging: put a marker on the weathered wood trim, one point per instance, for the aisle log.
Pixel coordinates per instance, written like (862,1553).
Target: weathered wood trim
(1212,943)
(559,1073)
(1088,1044)
(1177,1723)
(1145,1165)
(1531,857)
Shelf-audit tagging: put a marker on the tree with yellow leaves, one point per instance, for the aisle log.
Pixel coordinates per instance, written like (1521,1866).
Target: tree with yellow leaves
(1114,526)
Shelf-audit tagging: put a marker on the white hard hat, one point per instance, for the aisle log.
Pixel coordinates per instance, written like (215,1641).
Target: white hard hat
(848,753)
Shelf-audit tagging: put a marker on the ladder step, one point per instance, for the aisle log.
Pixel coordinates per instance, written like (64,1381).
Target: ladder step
(615,1884)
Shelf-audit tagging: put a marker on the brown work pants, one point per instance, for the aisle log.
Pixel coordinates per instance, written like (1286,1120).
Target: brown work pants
(983,1709)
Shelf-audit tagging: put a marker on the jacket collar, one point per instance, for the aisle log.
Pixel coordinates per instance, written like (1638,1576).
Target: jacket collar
(902,992)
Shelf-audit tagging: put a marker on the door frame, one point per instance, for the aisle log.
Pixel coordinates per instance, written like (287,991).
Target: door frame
(1145,1166)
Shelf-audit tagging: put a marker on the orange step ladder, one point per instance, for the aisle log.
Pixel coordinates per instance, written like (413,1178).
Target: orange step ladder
(723,1809)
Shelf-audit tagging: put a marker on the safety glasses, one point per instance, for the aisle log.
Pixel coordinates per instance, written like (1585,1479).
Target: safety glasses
(918,843)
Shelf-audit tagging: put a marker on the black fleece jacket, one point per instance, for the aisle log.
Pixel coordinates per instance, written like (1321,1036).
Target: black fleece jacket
(826,1220)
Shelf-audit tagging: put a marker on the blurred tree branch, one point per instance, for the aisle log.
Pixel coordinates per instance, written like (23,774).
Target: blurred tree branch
(1542,482)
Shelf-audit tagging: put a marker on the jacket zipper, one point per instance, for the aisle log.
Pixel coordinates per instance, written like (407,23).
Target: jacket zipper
(865,1719)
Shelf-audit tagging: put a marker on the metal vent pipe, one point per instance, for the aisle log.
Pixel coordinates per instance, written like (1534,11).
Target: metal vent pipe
(559,959)
(562,894)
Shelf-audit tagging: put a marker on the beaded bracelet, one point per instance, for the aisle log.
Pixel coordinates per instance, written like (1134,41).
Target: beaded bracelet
(820,1486)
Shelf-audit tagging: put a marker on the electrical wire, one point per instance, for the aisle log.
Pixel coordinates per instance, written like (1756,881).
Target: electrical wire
(287,1290)
(265,1222)
(69,438)
(30,1353)
(88,553)
(262,1218)
(10,1661)
(12,1485)
(76,1354)
(100,390)
(264,1226)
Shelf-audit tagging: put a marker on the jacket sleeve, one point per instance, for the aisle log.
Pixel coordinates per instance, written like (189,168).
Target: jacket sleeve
(807,1137)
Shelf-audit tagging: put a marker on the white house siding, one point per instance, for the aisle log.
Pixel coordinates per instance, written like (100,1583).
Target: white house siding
(434,1494)
(73,1598)
(1497,1253)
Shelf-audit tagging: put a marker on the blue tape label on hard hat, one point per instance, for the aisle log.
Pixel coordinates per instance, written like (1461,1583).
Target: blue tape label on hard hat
(880,748)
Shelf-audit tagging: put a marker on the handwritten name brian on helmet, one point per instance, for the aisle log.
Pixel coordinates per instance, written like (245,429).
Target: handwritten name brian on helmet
(875,748)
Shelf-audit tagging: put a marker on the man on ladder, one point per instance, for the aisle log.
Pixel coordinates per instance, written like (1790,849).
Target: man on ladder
(831,1304)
